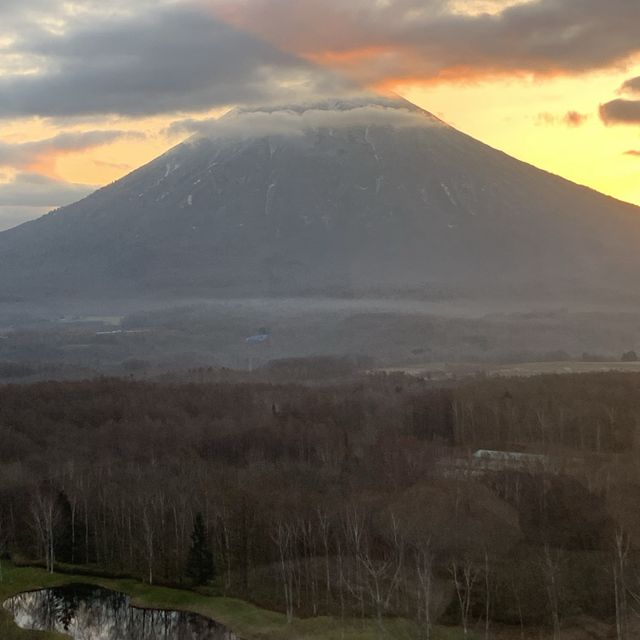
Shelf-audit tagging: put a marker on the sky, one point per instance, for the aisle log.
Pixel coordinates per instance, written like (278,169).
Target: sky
(90,90)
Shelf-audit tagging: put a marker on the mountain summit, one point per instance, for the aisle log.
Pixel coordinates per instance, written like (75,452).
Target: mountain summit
(352,197)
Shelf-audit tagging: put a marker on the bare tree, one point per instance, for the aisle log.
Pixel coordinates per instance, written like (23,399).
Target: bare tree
(551,560)
(283,538)
(324,526)
(3,547)
(465,576)
(424,570)
(383,574)
(149,539)
(45,515)
(487,595)
(620,559)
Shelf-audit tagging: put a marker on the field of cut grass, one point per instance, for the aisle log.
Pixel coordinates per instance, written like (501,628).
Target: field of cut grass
(247,620)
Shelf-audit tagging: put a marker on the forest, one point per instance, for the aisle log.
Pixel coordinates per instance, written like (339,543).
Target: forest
(366,498)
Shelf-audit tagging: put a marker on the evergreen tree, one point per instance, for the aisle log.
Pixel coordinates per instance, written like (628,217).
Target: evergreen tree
(63,534)
(200,563)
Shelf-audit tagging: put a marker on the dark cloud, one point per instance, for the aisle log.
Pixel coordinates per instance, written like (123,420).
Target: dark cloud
(631,86)
(26,153)
(148,58)
(546,36)
(34,190)
(425,38)
(620,111)
(173,58)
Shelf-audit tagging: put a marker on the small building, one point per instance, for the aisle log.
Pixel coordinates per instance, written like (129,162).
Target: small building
(489,460)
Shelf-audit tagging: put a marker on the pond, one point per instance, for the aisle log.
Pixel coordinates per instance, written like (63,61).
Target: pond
(86,612)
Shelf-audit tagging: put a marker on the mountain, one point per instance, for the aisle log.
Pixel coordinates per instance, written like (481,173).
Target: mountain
(355,197)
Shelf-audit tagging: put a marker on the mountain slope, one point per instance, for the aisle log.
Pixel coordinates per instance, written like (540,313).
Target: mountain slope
(343,197)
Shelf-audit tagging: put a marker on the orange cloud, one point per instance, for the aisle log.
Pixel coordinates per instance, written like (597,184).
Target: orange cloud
(385,43)
(570,118)
(349,57)
(41,156)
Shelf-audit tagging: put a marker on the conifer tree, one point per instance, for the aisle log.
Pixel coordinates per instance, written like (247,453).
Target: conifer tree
(63,535)
(200,564)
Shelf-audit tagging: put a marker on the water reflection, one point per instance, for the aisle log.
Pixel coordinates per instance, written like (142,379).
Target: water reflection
(90,613)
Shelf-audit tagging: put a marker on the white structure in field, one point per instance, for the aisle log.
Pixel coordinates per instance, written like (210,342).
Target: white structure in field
(500,460)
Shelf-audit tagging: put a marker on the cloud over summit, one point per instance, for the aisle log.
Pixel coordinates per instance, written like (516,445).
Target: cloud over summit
(283,121)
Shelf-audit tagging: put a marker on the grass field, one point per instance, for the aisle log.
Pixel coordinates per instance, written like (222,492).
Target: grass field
(248,621)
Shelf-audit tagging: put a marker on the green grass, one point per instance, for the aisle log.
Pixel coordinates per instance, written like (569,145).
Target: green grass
(15,581)
(248,621)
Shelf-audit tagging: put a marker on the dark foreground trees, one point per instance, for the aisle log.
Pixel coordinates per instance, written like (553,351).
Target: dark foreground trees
(200,563)
(362,499)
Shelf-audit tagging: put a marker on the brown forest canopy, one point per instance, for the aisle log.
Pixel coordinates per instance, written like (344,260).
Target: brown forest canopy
(326,487)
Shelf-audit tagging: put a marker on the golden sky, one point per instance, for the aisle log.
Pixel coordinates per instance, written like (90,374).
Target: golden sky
(527,118)
(528,78)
